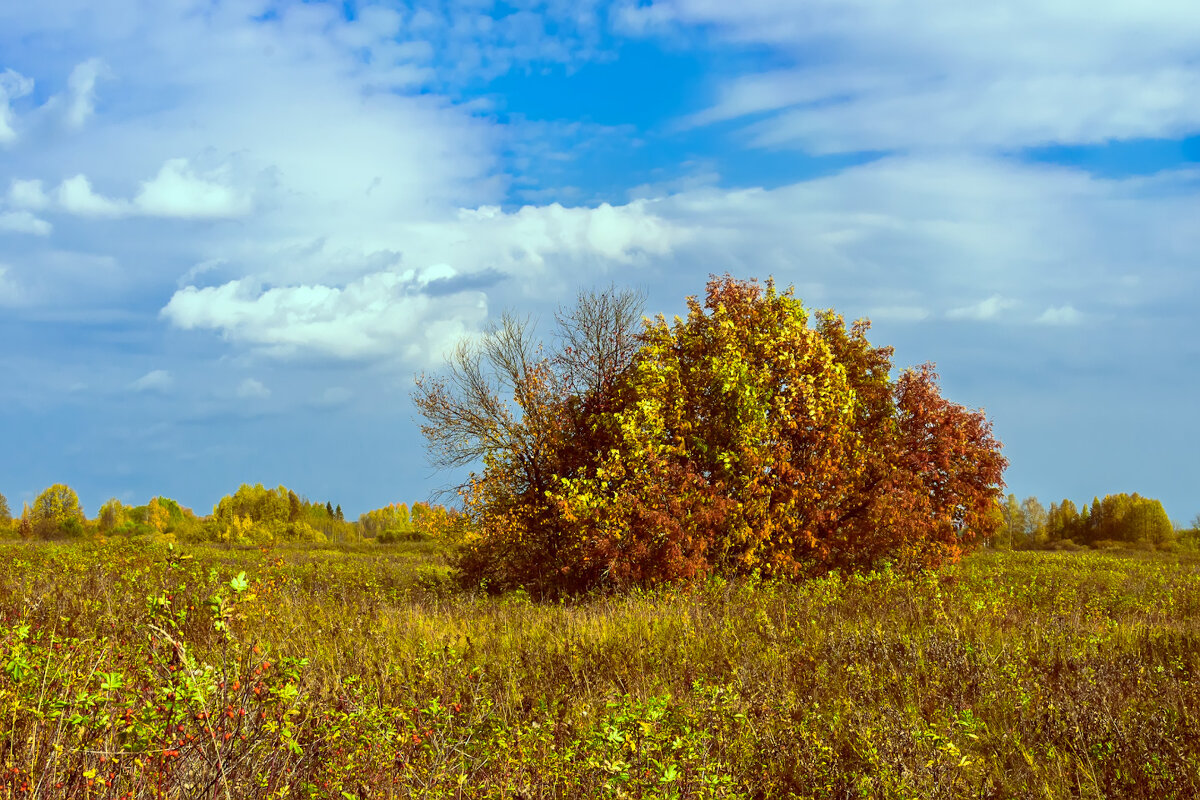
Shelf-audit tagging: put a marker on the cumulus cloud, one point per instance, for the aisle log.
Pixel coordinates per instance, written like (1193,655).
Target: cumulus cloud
(380,315)
(553,244)
(890,240)
(158,380)
(1060,315)
(280,123)
(532,234)
(24,222)
(245,131)
(176,191)
(13,85)
(76,196)
(415,312)
(28,194)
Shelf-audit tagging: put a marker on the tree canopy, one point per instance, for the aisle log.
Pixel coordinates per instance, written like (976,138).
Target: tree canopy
(752,435)
(56,512)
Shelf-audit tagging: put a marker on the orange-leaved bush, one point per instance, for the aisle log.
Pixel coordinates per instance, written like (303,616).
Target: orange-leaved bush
(751,436)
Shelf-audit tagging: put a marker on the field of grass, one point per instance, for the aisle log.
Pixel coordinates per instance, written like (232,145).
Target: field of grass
(134,671)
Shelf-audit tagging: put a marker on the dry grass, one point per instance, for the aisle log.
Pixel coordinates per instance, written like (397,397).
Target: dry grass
(129,671)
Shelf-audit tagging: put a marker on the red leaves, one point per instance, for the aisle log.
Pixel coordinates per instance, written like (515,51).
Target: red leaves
(746,437)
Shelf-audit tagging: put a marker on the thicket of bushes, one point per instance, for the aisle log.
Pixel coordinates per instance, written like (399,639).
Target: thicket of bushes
(754,435)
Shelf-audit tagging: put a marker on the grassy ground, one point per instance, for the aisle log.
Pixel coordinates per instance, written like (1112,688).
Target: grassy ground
(135,671)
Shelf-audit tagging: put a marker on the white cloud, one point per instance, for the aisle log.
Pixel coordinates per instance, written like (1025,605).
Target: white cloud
(178,192)
(75,195)
(895,238)
(986,238)
(923,74)
(983,310)
(415,313)
(81,86)
(275,123)
(251,388)
(1004,113)
(158,380)
(1060,315)
(533,233)
(378,316)
(199,269)
(13,85)
(335,185)
(28,194)
(24,222)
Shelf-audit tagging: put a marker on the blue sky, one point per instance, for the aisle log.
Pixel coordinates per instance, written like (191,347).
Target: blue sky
(231,231)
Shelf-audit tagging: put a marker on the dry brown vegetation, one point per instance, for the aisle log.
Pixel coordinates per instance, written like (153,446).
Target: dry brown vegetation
(132,671)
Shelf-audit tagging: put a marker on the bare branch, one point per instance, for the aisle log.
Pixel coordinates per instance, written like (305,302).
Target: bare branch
(600,336)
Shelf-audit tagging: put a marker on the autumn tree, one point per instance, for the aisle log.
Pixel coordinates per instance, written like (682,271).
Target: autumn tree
(1035,520)
(257,515)
(1062,521)
(529,418)
(56,512)
(1012,530)
(5,514)
(388,524)
(295,507)
(1130,518)
(752,435)
(25,525)
(1148,524)
(160,516)
(1095,522)
(111,516)
(788,446)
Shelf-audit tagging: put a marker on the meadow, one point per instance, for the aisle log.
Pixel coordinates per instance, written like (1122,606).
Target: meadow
(136,670)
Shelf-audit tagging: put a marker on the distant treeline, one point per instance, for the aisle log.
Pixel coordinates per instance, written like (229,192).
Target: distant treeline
(1118,520)
(251,515)
(257,515)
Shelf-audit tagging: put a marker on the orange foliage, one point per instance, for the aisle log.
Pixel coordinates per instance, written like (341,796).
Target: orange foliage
(747,437)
